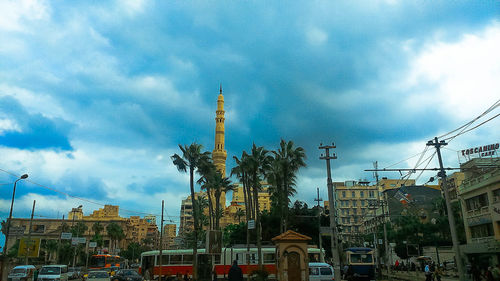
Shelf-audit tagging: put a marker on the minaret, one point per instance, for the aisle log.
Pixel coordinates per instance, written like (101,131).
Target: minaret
(219,154)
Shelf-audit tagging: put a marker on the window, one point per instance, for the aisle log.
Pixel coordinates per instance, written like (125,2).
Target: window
(354,211)
(363,203)
(476,202)
(343,211)
(482,230)
(371,194)
(325,271)
(269,258)
(347,211)
(354,203)
(175,259)
(353,194)
(361,194)
(496,195)
(187,259)
(313,271)
(343,194)
(252,257)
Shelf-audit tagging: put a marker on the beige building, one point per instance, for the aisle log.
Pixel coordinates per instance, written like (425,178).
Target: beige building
(169,233)
(479,195)
(109,212)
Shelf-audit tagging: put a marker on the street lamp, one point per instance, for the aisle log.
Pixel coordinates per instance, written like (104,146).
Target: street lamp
(25,176)
(73,211)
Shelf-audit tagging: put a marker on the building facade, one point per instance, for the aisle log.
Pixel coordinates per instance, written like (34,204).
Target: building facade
(479,196)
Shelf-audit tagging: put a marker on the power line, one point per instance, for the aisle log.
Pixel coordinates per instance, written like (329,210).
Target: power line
(76,197)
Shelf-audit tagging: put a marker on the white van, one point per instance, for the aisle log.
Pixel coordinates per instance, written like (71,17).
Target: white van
(320,271)
(22,272)
(53,272)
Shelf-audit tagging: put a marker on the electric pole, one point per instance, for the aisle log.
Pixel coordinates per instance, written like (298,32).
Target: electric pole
(451,217)
(388,257)
(321,257)
(333,211)
(161,237)
(28,242)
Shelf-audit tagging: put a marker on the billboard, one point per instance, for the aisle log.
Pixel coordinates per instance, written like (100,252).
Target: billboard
(29,247)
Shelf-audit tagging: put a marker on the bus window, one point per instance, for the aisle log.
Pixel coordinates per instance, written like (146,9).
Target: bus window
(187,259)
(175,259)
(97,261)
(252,258)
(313,257)
(313,271)
(164,259)
(269,258)
(217,259)
(239,258)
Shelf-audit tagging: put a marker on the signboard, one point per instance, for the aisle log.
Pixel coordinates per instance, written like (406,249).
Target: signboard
(92,244)
(178,240)
(485,150)
(214,242)
(78,240)
(16,230)
(29,247)
(66,235)
(380,241)
(251,224)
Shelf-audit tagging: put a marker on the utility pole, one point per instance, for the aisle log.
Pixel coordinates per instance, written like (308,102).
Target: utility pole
(321,257)
(388,258)
(333,211)
(451,218)
(28,242)
(59,241)
(161,236)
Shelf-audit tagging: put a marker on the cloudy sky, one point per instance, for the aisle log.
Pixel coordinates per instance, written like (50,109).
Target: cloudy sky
(96,96)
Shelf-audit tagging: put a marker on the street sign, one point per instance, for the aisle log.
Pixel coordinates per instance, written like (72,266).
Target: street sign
(66,235)
(29,247)
(16,230)
(380,241)
(251,224)
(78,240)
(92,244)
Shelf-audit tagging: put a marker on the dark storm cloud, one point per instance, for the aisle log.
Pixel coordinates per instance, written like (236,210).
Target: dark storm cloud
(35,131)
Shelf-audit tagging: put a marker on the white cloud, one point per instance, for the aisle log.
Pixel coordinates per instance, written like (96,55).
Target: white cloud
(7,125)
(13,13)
(461,77)
(316,36)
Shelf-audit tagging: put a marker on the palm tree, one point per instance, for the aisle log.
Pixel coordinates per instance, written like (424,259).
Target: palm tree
(191,159)
(97,228)
(115,233)
(206,170)
(239,214)
(49,246)
(220,184)
(259,163)
(241,171)
(288,160)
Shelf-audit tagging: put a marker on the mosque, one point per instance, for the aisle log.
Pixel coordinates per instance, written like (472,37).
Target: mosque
(219,156)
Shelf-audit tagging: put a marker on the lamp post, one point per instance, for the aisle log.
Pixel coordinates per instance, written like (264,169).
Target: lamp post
(25,176)
(73,211)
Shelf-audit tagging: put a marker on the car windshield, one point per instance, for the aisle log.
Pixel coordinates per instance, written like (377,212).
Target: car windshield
(129,272)
(50,270)
(98,274)
(18,270)
(361,258)
(325,271)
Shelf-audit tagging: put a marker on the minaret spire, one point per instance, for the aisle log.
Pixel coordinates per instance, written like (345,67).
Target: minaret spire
(219,154)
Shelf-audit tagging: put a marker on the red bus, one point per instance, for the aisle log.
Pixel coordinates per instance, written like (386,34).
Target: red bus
(104,261)
(181,261)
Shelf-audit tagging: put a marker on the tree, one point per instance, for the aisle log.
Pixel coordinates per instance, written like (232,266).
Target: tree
(97,228)
(259,162)
(49,246)
(115,233)
(239,214)
(191,159)
(206,170)
(286,163)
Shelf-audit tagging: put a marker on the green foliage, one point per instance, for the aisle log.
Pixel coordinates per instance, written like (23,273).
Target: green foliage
(133,251)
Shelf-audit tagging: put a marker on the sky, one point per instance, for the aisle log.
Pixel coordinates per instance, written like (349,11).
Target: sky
(96,96)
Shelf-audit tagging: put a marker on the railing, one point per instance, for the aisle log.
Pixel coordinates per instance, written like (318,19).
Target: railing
(470,184)
(477,212)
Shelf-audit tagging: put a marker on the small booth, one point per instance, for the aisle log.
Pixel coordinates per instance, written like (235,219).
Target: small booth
(292,261)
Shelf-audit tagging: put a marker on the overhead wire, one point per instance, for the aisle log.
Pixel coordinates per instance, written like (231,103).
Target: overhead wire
(78,198)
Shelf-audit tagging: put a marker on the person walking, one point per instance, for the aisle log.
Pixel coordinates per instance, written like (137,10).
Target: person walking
(428,273)
(235,273)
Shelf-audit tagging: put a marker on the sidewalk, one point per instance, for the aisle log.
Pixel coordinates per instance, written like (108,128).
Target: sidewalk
(414,275)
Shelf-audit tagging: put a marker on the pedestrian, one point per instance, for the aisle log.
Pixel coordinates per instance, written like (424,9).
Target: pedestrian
(186,277)
(428,273)
(437,273)
(235,273)
(488,275)
(495,272)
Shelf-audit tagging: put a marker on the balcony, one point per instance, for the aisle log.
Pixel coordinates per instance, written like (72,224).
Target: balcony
(478,212)
(479,181)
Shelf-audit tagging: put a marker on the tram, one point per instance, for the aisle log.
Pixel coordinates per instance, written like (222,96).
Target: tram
(361,263)
(181,261)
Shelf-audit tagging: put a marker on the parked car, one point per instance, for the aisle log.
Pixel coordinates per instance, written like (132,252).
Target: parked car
(127,275)
(74,272)
(320,271)
(100,275)
(53,272)
(22,272)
